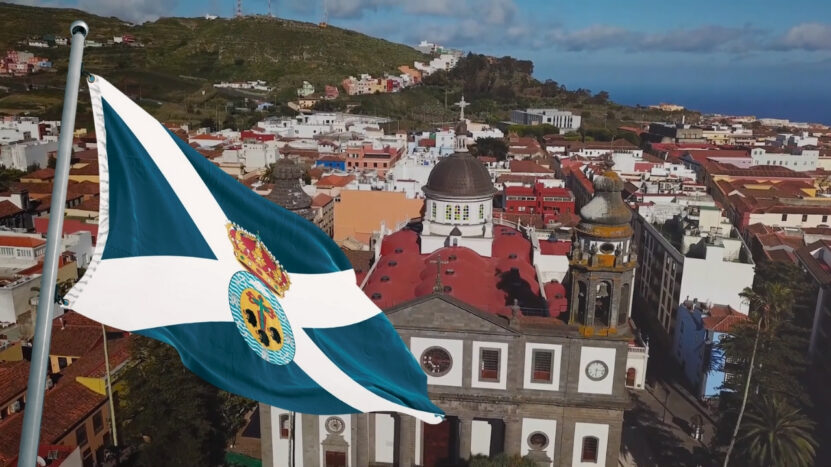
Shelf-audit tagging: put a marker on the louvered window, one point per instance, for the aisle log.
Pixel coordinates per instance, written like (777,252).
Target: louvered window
(489,365)
(590,446)
(541,363)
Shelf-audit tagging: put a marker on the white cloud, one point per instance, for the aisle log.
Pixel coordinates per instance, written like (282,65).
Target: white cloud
(808,36)
(489,11)
(136,11)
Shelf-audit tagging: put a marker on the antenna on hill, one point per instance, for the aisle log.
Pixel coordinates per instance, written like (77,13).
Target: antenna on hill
(325,20)
(269,10)
(239,9)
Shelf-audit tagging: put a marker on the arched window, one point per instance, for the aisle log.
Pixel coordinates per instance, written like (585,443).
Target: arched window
(447,212)
(590,446)
(481,211)
(433,210)
(457,213)
(466,213)
(631,375)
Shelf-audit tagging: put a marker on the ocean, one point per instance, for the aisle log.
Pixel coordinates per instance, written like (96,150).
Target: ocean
(787,103)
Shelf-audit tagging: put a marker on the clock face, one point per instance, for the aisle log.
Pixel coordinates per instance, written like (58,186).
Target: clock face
(436,361)
(596,370)
(334,425)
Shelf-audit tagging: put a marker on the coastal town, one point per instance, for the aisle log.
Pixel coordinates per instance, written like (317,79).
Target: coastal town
(572,300)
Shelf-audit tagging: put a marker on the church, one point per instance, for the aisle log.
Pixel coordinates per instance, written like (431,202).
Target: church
(521,363)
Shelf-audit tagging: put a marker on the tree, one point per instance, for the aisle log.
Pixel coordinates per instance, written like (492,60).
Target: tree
(768,309)
(776,434)
(170,415)
(491,147)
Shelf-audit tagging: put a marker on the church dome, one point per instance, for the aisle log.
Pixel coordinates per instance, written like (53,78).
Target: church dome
(459,175)
(607,206)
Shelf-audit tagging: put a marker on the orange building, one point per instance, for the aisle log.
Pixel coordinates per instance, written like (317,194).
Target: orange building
(371,158)
(360,213)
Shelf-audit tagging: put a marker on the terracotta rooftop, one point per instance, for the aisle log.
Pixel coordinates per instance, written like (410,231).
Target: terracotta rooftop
(527,166)
(23,242)
(489,284)
(722,318)
(91,205)
(7,208)
(334,181)
(321,200)
(13,379)
(42,174)
(89,168)
(68,402)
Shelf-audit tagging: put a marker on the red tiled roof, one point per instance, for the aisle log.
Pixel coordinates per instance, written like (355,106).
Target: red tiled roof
(73,341)
(84,188)
(88,205)
(42,174)
(722,318)
(321,200)
(69,226)
(487,283)
(528,167)
(13,379)
(23,242)
(68,402)
(87,155)
(8,209)
(332,181)
(88,169)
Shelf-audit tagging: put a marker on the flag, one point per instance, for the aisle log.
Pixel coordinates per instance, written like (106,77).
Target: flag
(257,300)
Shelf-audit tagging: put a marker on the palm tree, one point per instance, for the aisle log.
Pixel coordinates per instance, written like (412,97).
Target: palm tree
(776,434)
(768,309)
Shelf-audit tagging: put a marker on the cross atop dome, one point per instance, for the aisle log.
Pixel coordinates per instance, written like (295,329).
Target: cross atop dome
(462,104)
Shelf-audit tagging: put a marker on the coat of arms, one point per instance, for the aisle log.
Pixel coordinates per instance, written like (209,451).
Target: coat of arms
(253,297)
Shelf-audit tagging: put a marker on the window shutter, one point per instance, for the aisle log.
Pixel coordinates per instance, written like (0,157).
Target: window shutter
(489,365)
(542,366)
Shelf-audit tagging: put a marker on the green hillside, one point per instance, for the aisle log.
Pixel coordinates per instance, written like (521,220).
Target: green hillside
(172,73)
(182,57)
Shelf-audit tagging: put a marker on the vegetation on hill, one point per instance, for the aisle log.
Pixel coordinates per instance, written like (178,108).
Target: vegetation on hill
(173,72)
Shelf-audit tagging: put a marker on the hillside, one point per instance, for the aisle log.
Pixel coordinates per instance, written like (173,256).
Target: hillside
(172,74)
(184,55)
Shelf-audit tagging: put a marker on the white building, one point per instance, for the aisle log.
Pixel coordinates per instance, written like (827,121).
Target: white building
(799,160)
(21,155)
(697,254)
(562,119)
(252,155)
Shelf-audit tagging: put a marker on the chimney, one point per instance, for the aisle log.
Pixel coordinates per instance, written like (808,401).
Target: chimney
(63,325)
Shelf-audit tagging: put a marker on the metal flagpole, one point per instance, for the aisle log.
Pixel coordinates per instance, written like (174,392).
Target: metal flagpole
(109,387)
(30,434)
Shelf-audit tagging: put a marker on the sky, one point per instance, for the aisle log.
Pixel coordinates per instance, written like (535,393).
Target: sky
(739,56)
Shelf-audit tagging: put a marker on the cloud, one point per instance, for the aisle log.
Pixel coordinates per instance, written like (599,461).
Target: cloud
(489,11)
(703,39)
(807,36)
(136,11)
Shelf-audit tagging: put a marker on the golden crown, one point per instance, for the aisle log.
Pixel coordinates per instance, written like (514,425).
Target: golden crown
(253,254)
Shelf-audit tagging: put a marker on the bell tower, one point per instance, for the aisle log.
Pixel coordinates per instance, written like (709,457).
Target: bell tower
(602,261)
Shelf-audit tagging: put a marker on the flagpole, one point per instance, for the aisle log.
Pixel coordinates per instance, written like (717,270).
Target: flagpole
(109,387)
(30,434)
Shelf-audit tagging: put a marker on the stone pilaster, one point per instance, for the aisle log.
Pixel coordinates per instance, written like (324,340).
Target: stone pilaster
(513,435)
(465,436)
(406,453)
(361,441)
